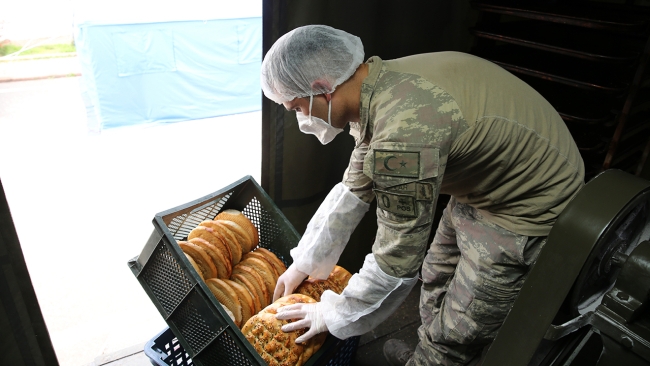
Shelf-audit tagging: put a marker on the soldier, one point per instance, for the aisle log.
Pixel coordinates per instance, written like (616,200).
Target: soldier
(426,124)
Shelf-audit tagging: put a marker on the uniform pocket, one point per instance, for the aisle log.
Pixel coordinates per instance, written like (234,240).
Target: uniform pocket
(404,178)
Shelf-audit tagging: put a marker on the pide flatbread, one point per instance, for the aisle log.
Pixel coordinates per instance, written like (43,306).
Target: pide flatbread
(277,348)
(340,276)
(212,236)
(336,282)
(315,288)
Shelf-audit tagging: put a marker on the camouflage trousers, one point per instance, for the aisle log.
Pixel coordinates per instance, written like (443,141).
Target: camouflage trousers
(471,276)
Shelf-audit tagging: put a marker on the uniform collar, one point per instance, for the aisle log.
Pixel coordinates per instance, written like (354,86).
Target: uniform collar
(358,130)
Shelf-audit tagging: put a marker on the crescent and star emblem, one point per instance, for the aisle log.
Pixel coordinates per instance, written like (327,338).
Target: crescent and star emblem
(386,160)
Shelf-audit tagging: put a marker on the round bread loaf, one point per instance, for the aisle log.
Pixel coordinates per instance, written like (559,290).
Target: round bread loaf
(230,314)
(196,266)
(219,258)
(229,238)
(226,237)
(251,289)
(245,300)
(262,257)
(256,280)
(227,297)
(276,347)
(213,237)
(336,281)
(242,237)
(201,258)
(264,270)
(240,219)
(287,300)
(277,263)
(210,235)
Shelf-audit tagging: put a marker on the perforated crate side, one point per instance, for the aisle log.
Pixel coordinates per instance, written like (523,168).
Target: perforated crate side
(191,311)
(225,351)
(165,279)
(197,321)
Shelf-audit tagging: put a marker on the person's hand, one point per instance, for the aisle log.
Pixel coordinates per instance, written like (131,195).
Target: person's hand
(310,317)
(288,282)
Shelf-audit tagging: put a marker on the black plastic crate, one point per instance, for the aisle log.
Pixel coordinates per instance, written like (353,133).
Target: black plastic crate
(202,327)
(165,350)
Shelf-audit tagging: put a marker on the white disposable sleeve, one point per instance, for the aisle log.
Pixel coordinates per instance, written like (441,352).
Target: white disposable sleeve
(328,232)
(370,297)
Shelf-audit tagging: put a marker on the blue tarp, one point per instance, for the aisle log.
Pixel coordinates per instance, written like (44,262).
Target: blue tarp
(170,65)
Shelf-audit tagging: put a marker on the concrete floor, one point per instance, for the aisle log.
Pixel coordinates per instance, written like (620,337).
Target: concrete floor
(403,324)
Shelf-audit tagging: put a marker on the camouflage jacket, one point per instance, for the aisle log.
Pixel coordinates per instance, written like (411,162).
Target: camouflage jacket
(501,147)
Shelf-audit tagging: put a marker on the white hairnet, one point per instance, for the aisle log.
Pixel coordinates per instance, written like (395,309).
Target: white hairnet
(308,54)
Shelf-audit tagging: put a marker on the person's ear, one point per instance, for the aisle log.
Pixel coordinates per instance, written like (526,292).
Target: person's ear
(321,84)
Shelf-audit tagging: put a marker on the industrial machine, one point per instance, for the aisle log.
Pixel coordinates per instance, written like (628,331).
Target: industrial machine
(585,300)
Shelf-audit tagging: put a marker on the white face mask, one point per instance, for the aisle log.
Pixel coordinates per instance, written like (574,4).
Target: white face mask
(324,131)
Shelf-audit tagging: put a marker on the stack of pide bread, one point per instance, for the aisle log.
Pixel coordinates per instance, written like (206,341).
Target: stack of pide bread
(265,333)
(225,253)
(242,276)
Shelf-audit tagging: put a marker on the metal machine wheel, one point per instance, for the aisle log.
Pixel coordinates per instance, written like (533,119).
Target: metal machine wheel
(622,233)
(606,220)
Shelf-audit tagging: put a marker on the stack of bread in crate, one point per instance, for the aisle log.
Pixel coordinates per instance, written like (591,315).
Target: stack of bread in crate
(242,276)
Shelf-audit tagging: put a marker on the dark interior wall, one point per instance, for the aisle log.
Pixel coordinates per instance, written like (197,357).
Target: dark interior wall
(297,171)
(391,29)
(24,339)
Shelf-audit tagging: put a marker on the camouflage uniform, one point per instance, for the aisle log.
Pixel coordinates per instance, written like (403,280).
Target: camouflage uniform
(508,162)
(467,286)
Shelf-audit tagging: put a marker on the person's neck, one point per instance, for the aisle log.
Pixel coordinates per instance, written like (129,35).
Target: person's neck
(352,91)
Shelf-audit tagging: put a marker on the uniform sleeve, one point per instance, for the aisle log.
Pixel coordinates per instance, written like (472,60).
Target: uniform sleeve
(405,204)
(402,239)
(354,178)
